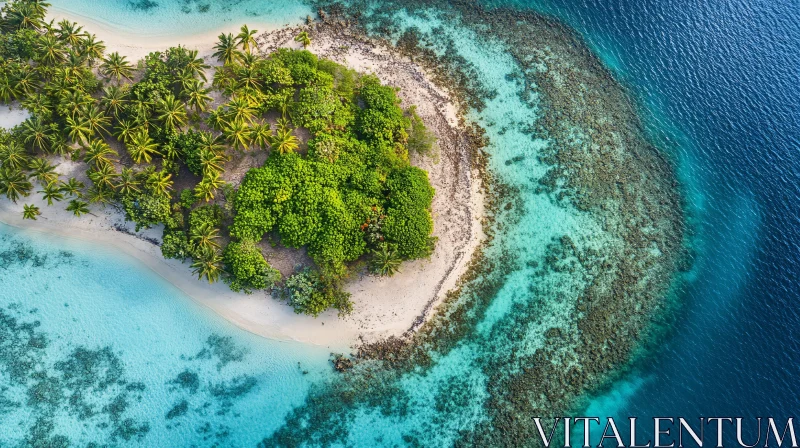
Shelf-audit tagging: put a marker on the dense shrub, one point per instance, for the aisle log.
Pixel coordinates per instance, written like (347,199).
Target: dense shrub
(420,139)
(248,268)
(309,293)
(147,210)
(175,244)
(187,146)
(206,214)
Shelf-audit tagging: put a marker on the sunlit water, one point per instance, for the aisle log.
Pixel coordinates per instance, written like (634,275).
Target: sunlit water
(719,82)
(715,85)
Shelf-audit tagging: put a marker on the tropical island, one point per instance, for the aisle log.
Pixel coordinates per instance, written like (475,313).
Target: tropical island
(260,154)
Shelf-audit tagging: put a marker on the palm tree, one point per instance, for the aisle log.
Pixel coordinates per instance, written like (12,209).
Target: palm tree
(74,65)
(26,80)
(204,237)
(36,133)
(184,79)
(211,161)
(92,48)
(304,39)
(210,142)
(141,147)
(216,119)
(116,66)
(99,153)
(58,143)
(8,90)
(239,109)
(261,135)
(78,207)
(73,187)
(40,6)
(205,189)
(52,192)
(14,156)
(14,184)
(249,60)
(78,130)
(284,141)
(114,99)
(160,183)
(197,66)
(173,112)
(70,32)
(208,265)
(238,135)
(197,97)
(42,171)
(224,79)
(74,101)
(100,195)
(24,15)
(170,152)
(249,78)
(385,260)
(285,102)
(37,104)
(245,38)
(96,120)
(103,176)
(128,182)
(51,50)
(30,211)
(126,130)
(226,49)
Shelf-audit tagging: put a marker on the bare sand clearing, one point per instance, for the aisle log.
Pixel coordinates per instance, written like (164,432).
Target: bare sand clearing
(382,306)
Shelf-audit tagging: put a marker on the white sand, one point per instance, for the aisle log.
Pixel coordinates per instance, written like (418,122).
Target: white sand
(382,306)
(137,46)
(12,115)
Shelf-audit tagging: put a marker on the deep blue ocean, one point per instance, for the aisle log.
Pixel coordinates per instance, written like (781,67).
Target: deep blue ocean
(718,81)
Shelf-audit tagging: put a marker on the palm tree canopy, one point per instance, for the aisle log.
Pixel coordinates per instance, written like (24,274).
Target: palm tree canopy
(99,153)
(73,187)
(42,171)
(208,265)
(116,66)
(78,207)
(173,112)
(226,49)
(245,38)
(304,39)
(30,211)
(141,147)
(52,192)
(14,184)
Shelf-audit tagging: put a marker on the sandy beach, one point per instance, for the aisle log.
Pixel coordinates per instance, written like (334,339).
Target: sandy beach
(382,306)
(137,46)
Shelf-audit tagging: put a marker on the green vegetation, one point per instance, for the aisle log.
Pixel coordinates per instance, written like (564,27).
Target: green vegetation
(336,183)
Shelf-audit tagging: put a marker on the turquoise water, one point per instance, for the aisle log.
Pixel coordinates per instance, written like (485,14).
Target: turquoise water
(154,18)
(107,351)
(733,143)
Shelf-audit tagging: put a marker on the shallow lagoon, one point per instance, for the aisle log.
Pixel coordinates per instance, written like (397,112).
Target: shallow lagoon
(104,348)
